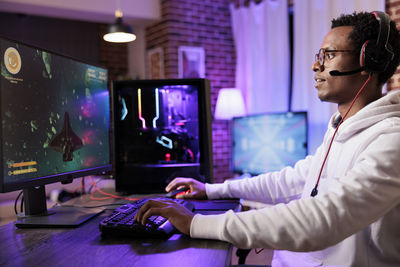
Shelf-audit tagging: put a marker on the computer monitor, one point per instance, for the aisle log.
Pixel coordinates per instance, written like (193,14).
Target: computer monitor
(268,142)
(162,130)
(55,114)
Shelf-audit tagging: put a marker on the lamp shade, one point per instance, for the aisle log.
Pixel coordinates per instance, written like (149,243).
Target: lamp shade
(229,104)
(119,32)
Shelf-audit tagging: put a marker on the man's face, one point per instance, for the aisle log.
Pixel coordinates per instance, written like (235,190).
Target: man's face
(337,89)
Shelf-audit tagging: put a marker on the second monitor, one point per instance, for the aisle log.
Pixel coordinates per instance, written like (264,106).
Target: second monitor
(268,142)
(162,130)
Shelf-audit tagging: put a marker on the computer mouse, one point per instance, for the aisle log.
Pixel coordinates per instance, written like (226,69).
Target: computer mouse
(174,193)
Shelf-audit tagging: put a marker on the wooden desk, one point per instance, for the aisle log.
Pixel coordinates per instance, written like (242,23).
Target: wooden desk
(84,246)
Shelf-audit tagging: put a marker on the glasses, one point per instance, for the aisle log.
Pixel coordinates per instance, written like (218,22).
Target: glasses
(320,56)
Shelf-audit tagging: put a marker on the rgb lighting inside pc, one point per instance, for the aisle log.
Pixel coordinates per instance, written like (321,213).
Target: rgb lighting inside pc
(161,131)
(166,130)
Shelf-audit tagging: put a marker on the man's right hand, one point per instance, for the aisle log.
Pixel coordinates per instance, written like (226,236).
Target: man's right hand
(197,189)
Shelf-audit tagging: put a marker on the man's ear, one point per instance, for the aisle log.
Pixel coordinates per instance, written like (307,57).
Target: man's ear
(365,73)
(374,76)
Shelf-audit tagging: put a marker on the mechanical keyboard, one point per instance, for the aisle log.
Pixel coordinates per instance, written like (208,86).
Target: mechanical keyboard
(121,222)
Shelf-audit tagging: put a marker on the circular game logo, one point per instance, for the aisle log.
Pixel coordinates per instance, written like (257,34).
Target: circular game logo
(12,60)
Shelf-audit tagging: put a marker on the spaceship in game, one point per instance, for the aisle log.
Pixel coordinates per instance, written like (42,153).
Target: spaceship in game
(66,141)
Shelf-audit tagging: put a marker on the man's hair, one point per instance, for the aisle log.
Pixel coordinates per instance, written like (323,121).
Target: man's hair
(366,27)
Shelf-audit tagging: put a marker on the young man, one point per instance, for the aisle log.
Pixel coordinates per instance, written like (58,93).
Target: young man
(353,217)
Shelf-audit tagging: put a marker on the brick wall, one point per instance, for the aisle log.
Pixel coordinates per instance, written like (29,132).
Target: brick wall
(200,24)
(393,9)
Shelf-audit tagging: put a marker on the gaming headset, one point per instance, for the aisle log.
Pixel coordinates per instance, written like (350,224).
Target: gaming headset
(376,54)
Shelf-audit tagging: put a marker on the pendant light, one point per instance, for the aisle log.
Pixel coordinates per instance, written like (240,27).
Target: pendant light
(119,32)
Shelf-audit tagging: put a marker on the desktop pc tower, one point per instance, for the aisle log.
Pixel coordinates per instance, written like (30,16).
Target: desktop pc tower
(162,130)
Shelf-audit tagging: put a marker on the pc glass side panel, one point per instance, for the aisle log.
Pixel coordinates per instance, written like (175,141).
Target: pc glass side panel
(55,117)
(268,142)
(162,131)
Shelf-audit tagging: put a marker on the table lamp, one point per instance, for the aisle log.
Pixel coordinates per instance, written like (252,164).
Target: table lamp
(229,104)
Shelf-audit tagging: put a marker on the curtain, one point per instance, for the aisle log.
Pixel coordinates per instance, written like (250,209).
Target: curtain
(312,20)
(261,36)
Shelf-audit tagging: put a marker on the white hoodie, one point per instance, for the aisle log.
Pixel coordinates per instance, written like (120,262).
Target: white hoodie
(355,218)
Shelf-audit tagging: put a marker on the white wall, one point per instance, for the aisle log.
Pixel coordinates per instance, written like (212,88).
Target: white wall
(135,11)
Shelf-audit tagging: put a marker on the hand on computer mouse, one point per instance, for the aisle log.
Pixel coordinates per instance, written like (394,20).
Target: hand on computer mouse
(176,192)
(197,190)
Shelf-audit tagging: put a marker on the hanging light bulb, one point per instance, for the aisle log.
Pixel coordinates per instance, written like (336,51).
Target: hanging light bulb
(119,32)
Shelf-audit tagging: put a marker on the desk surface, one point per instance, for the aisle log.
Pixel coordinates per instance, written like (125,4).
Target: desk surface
(84,246)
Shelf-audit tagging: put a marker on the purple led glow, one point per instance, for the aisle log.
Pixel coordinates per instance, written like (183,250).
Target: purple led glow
(140,108)
(157,110)
(176,86)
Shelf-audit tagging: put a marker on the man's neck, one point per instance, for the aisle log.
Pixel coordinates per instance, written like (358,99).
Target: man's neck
(361,102)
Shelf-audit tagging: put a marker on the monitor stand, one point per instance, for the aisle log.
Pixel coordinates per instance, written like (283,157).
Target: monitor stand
(37,216)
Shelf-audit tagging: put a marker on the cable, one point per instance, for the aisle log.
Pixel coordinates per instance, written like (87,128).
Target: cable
(106,194)
(96,182)
(83,185)
(16,201)
(314,192)
(258,251)
(22,203)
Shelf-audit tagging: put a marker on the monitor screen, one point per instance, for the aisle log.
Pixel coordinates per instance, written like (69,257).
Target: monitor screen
(55,117)
(268,142)
(162,130)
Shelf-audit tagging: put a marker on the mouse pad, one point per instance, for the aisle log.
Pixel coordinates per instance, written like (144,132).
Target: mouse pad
(217,205)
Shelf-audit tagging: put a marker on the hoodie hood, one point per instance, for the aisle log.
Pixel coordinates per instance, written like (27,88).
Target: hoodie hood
(387,106)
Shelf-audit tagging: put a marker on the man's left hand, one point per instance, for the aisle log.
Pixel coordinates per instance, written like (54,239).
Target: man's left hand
(178,215)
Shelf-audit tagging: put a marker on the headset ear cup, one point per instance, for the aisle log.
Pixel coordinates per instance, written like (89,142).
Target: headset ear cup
(373,58)
(376,55)
(368,56)
(362,55)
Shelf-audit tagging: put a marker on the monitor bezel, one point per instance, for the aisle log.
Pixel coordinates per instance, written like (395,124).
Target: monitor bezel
(44,180)
(206,159)
(64,176)
(237,171)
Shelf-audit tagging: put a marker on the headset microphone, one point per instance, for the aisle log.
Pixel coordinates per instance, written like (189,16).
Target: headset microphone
(344,73)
